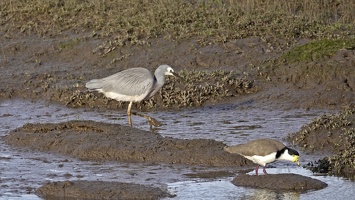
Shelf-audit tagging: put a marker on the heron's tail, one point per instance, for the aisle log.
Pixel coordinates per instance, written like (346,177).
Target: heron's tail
(94,84)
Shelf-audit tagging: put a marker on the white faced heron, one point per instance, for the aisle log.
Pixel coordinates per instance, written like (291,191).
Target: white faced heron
(133,85)
(263,151)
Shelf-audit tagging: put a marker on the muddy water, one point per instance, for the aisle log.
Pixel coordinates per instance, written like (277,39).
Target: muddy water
(22,172)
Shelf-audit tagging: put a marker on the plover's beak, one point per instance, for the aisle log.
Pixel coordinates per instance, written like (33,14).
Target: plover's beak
(296,160)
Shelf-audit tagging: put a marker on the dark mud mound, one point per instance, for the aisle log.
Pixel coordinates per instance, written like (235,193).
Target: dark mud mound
(290,182)
(89,140)
(99,190)
(335,136)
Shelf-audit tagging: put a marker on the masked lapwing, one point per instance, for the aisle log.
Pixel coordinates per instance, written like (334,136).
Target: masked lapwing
(264,151)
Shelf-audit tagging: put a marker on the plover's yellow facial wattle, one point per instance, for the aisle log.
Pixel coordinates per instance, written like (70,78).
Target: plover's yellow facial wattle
(296,159)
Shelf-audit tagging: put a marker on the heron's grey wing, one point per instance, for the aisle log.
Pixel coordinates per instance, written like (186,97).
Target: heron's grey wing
(130,82)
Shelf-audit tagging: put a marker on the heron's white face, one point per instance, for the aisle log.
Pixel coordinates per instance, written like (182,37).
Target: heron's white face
(169,72)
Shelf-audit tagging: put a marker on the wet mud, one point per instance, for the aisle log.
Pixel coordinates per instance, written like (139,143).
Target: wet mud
(36,69)
(99,190)
(290,182)
(89,140)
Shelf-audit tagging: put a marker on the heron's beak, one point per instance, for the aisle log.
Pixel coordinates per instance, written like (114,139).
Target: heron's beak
(176,75)
(296,160)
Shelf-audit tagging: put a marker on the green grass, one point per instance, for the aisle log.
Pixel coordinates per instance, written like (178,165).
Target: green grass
(318,49)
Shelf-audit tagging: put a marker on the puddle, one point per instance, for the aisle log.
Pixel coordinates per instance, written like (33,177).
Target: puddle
(22,172)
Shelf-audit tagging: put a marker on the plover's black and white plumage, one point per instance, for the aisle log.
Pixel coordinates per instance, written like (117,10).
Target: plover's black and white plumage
(264,151)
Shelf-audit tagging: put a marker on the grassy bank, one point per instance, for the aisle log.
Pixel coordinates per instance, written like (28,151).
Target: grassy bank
(208,20)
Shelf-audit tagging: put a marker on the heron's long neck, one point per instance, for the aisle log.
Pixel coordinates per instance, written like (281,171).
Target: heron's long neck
(159,82)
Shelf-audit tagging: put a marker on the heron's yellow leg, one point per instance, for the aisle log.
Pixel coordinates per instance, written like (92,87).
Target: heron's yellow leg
(152,121)
(129,113)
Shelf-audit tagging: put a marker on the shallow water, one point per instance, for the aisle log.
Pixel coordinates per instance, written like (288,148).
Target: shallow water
(338,188)
(22,172)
